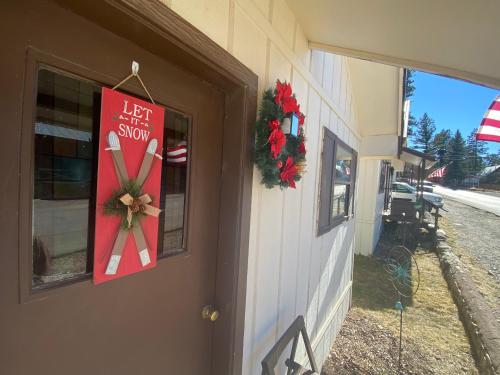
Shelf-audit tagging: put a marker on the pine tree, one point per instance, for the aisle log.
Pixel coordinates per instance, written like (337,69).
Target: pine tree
(424,134)
(440,144)
(409,91)
(412,124)
(409,84)
(476,151)
(456,154)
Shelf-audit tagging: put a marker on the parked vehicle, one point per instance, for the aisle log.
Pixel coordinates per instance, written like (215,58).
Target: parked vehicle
(428,186)
(401,190)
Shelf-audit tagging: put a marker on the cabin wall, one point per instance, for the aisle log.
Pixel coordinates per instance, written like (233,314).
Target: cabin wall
(369,207)
(291,271)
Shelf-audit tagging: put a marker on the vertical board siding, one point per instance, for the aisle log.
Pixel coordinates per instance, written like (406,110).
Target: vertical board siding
(291,271)
(369,208)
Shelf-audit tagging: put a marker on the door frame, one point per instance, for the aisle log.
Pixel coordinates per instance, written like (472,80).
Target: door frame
(156,28)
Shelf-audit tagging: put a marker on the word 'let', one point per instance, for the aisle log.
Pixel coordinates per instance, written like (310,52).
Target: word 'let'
(137,116)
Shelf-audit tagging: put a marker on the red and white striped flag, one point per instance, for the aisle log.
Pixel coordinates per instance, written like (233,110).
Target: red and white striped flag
(438,173)
(490,126)
(177,155)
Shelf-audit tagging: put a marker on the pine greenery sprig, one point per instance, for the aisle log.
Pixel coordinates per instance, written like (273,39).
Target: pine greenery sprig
(114,206)
(268,166)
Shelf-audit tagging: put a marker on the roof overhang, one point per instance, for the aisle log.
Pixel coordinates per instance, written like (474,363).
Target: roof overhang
(415,157)
(377,90)
(451,37)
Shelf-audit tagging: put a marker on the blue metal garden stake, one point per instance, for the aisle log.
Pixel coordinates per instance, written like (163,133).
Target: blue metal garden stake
(405,277)
(399,306)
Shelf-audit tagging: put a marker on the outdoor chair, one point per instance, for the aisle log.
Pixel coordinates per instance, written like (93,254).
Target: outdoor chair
(293,332)
(405,214)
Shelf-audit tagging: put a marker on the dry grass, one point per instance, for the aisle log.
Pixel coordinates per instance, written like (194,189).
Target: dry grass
(430,319)
(431,326)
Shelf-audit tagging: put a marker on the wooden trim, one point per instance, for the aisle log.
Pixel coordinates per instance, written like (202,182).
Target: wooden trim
(334,221)
(162,32)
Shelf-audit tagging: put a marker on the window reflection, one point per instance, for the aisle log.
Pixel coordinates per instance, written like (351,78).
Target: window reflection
(63,175)
(343,165)
(174,182)
(339,198)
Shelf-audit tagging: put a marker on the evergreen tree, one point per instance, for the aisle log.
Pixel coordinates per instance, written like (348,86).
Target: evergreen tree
(476,151)
(409,91)
(412,124)
(457,152)
(440,144)
(424,134)
(409,84)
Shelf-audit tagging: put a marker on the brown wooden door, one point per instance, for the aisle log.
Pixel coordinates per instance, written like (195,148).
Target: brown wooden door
(146,323)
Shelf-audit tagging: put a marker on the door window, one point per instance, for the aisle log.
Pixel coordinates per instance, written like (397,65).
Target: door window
(174,183)
(65,128)
(66,113)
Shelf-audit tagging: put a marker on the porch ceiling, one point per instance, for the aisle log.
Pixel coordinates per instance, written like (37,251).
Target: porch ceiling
(451,37)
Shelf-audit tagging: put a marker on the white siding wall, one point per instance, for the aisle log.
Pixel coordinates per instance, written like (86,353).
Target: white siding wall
(291,270)
(369,207)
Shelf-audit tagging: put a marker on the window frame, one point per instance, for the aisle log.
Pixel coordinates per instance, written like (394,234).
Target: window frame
(327,185)
(384,174)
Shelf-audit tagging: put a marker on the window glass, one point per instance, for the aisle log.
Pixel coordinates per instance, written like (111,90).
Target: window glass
(339,199)
(67,117)
(343,165)
(66,113)
(174,183)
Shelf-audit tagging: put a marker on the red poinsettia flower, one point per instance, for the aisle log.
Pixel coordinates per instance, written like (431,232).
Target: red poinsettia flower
(277,140)
(302,148)
(274,124)
(289,105)
(283,91)
(279,164)
(288,172)
(301,118)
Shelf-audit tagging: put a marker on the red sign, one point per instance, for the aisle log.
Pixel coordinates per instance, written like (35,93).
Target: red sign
(128,186)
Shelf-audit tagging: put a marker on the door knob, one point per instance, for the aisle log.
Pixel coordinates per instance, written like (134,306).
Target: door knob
(210,313)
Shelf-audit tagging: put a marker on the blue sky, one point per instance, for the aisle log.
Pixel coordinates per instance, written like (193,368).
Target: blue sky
(453,104)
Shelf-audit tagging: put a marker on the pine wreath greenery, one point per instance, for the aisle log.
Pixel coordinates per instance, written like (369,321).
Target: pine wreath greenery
(114,206)
(280,158)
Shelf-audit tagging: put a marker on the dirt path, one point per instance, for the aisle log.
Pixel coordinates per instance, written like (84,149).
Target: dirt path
(364,346)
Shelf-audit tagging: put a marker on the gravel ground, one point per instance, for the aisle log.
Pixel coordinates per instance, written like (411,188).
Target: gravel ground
(474,235)
(364,346)
(478,232)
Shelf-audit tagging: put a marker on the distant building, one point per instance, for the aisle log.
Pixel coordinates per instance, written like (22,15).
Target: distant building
(490,175)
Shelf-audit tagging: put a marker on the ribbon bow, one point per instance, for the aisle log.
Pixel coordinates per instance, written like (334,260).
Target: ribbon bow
(138,205)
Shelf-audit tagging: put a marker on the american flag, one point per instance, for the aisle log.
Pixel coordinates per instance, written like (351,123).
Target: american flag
(438,173)
(490,126)
(177,155)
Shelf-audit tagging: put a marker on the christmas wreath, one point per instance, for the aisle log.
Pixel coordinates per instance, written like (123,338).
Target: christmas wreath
(280,152)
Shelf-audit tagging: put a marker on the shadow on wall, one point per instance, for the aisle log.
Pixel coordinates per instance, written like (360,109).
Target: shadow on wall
(325,289)
(338,280)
